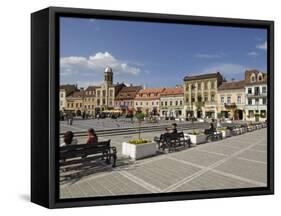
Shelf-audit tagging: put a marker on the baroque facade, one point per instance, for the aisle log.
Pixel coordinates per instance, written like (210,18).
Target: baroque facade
(148,100)
(200,95)
(231,100)
(171,103)
(256,95)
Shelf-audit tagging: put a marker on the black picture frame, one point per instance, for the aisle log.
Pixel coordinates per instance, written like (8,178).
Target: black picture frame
(44,103)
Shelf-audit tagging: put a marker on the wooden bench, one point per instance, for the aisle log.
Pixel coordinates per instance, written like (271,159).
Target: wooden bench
(78,154)
(213,135)
(172,140)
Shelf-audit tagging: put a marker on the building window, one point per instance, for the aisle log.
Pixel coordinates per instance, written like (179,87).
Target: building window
(98,102)
(228,100)
(212,85)
(152,103)
(213,98)
(166,103)
(253,78)
(110,93)
(187,99)
(157,103)
(264,101)
(257,101)
(171,103)
(136,103)
(249,90)
(181,102)
(103,101)
(263,113)
(222,100)
(239,99)
(251,113)
(98,93)
(260,77)
(206,98)
(177,103)
(162,104)
(199,86)
(257,90)
(264,89)
(192,99)
(103,93)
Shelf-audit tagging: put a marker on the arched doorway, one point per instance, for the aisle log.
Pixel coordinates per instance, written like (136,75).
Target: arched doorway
(78,113)
(239,114)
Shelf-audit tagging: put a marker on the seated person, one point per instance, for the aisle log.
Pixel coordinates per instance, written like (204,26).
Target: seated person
(92,137)
(174,128)
(68,139)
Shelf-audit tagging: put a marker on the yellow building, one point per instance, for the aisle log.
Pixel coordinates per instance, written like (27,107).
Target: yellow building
(90,100)
(200,95)
(65,91)
(106,93)
(148,101)
(75,102)
(231,100)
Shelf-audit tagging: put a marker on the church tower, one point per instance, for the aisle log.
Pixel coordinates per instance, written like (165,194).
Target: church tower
(108,76)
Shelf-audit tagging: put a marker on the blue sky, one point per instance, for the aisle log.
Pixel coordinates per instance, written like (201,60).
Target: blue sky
(155,54)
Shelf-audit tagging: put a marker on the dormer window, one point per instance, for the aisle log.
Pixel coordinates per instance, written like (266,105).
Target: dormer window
(253,78)
(260,77)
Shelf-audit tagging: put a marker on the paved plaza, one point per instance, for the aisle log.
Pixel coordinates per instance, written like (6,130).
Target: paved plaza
(235,162)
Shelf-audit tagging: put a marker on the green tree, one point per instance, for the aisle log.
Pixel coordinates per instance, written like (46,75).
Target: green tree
(140,118)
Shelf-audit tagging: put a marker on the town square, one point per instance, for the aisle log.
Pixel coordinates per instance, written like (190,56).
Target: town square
(167,108)
(236,160)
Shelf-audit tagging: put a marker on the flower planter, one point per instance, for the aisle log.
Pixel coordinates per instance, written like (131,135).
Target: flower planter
(138,151)
(197,139)
(225,133)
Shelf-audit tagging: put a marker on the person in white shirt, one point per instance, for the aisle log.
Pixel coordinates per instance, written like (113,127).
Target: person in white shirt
(68,139)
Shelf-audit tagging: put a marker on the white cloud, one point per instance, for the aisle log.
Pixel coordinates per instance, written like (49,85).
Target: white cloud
(252,53)
(207,56)
(262,46)
(96,64)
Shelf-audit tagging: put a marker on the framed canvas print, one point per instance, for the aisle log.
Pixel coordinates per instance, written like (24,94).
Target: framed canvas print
(139,107)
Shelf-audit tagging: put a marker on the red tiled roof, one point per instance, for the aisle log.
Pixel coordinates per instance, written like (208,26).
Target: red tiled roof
(232,85)
(149,93)
(128,93)
(172,91)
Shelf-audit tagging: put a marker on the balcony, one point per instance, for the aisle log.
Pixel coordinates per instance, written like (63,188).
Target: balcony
(256,94)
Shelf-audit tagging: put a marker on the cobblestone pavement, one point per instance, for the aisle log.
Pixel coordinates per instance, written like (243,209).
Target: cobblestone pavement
(235,162)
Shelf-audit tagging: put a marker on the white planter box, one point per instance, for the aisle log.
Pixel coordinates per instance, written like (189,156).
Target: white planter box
(197,139)
(225,133)
(137,151)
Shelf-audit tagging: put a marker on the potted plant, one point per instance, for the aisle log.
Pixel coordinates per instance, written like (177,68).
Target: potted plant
(139,148)
(225,132)
(197,137)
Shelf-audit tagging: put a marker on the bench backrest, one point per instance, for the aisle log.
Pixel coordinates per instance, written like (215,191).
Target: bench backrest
(172,136)
(72,151)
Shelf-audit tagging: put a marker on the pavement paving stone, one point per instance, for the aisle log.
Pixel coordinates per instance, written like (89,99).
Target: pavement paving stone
(163,173)
(248,169)
(198,157)
(213,181)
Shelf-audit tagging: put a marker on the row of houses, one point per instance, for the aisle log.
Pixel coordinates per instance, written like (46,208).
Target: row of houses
(200,96)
